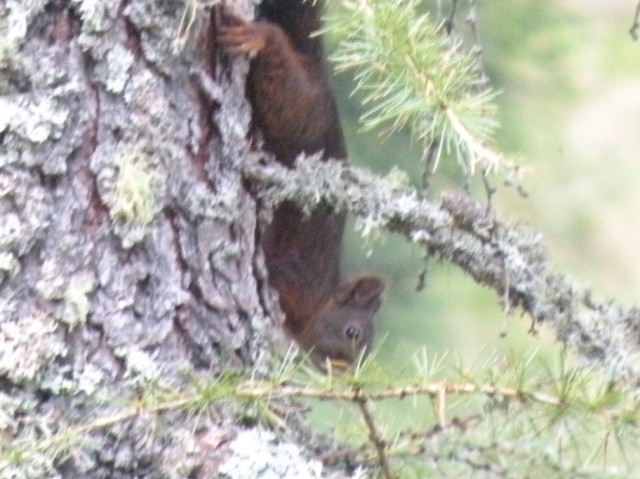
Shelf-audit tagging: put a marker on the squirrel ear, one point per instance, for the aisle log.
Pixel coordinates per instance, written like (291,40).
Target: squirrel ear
(362,293)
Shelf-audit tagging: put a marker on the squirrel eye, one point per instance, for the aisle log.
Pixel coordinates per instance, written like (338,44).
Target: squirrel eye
(353,333)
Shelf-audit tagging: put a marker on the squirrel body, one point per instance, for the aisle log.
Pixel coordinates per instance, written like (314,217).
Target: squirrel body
(294,109)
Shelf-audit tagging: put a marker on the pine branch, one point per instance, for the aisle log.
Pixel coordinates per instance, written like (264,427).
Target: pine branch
(461,439)
(460,230)
(413,70)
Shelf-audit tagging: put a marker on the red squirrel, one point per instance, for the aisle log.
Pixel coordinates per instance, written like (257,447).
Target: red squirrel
(294,109)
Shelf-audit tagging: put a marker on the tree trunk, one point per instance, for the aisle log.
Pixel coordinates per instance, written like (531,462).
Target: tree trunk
(129,268)
(127,241)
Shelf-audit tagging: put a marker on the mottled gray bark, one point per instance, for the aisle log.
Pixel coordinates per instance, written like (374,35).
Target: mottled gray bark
(127,238)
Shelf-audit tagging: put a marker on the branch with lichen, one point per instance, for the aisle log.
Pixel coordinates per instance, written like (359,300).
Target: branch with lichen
(510,260)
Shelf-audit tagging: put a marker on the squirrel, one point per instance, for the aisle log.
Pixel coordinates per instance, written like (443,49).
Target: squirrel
(294,109)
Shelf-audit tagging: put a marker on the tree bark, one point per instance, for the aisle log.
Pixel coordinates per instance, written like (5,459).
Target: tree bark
(127,241)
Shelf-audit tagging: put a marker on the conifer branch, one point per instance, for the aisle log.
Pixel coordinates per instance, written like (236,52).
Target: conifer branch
(621,414)
(413,71)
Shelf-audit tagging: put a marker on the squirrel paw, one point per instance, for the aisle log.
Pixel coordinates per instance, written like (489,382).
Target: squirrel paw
(239,36)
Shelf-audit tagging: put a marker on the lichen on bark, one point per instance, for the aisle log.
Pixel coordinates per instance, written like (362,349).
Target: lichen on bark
(127,240)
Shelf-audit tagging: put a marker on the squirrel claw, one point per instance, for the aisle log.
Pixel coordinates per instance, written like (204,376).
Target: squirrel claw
(238,36)
(242,39)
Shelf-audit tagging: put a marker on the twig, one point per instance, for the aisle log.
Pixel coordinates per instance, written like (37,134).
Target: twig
(256,390)
(409,444)
(488,189)
(441,405)
(430,160)
(506,303)
(374,434)
(634,27)
(424,273)
(472,21)
(406,443)
(452,16)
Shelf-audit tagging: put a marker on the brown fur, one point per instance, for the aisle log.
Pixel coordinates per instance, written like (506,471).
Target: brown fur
(294,109)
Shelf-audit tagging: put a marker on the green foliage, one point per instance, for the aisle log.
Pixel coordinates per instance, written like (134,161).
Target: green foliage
(411,72)
(543,55)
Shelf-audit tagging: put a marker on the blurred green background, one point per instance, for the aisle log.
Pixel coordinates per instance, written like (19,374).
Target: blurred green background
(569,74)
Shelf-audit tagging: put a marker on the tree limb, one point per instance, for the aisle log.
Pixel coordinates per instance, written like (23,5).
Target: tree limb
(508,259)
(633,31)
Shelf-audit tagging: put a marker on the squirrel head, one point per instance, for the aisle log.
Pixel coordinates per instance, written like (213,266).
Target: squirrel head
(343,330)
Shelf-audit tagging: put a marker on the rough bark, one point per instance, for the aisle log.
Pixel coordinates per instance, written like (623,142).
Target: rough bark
(127,238)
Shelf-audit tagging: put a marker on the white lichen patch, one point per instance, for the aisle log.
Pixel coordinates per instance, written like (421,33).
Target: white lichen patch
(90,379)
(147,99)
(9,264)
(27,346)
(257,453)
(95,14)
(51,282)
(140,364)
(370,227)
(33,121)
(11,230)
(18,15)
(9,406)
(9,59)
(406,203)
(115,72)
(76,300)
(420,237)
(397,178)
